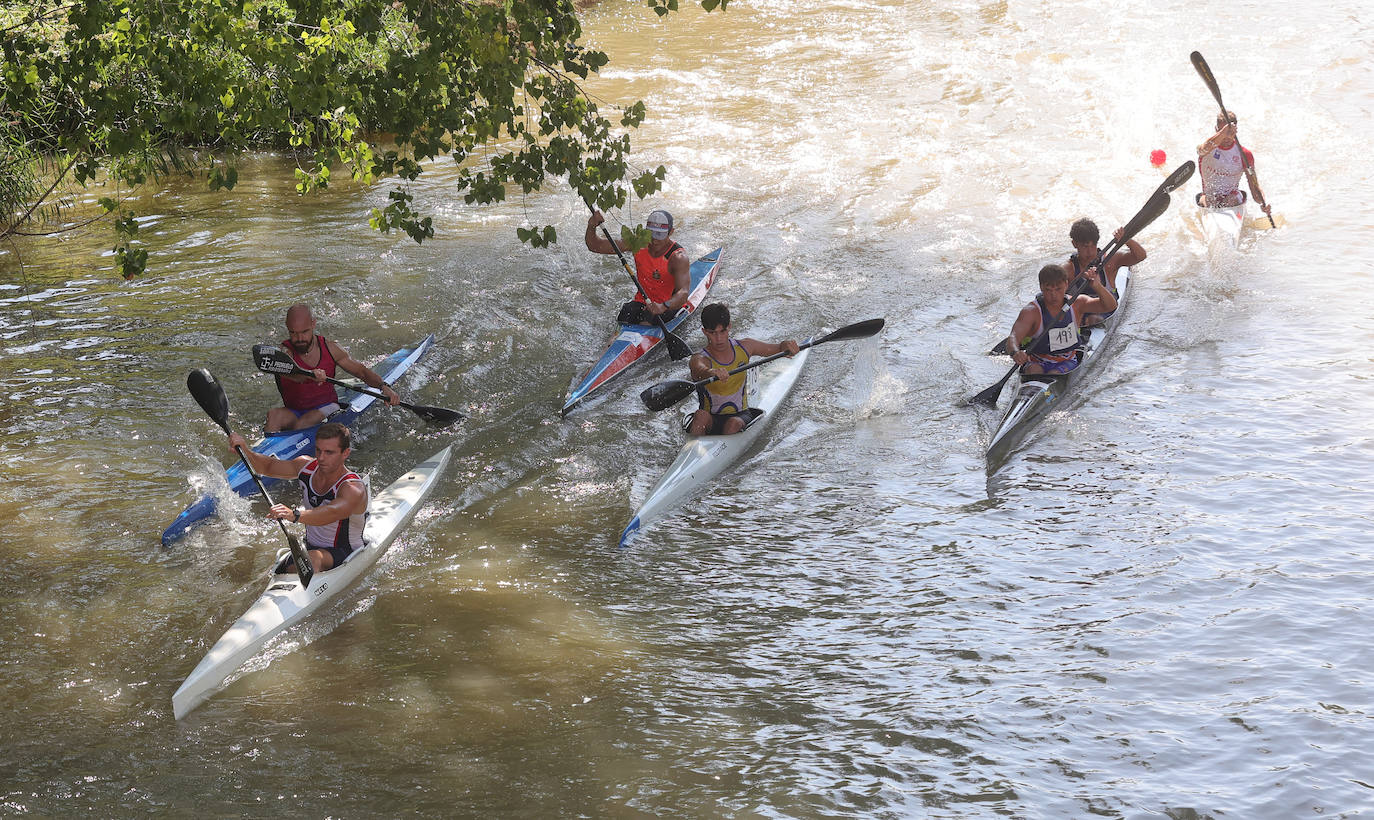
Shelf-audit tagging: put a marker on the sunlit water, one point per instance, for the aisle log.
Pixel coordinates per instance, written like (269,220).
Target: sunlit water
(1156,607)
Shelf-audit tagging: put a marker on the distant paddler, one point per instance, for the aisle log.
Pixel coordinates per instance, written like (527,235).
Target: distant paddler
(1221,162)
(309,399)
(662,269)
(724,403)
(334,499)
(1048,327)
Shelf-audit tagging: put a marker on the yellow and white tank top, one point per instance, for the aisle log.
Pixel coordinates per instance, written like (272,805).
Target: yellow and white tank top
(731,395)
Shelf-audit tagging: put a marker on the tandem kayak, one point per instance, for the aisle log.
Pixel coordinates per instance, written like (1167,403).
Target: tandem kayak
(1037,395)
(702,458)
(291,443)
(633,342)
(286,602)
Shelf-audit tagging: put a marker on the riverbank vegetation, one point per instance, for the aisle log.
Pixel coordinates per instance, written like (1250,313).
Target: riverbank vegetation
(124,92)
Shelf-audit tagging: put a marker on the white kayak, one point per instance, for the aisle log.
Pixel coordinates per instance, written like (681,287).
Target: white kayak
(1223,224)
(702,458)
(285,602)
(1037,395)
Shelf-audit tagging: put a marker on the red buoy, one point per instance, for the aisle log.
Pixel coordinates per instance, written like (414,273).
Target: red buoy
(1157,157)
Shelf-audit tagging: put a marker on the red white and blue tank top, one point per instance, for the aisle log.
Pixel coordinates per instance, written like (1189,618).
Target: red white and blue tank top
(347,532)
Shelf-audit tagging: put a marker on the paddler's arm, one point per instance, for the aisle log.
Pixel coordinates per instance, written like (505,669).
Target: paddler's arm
(1025,327)
(681,271)
(703,368)
(756,348)
(349,500)
(264,464)
(1252,180)
(364,373)
(1134,253)
(596,242)
(1102,302)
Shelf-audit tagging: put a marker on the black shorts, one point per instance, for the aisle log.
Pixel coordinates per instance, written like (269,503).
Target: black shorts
(718,420)
(636,313)
(339,554)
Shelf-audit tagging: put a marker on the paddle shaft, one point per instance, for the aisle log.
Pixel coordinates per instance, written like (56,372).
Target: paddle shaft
(672,392)
(1205,72)
(429,413)
(677,348)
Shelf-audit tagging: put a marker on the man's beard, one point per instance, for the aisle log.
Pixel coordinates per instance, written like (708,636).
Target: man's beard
(303,347)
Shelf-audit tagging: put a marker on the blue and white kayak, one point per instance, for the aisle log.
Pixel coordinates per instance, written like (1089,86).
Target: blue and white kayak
(286,602)
(702,458)
(291,443)
(1038,395)
(633,342)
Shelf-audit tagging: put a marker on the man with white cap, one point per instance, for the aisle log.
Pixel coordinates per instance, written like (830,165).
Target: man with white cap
(662,269)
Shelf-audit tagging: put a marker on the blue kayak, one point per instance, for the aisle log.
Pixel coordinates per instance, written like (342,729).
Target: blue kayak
(291,443)
(633,342)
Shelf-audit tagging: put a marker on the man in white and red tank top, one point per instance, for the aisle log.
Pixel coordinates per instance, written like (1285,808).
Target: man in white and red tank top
(309,400)
(334,498)
(1221,162)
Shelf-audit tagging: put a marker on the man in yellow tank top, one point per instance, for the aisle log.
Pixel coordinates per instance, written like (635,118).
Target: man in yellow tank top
(725,402)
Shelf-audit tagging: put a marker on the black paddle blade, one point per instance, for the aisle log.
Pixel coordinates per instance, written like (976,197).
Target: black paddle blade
(209,395)
(1205,72)
(666,394)
(858,330)
(436,415)
(274,360)
(1180,175)
(677,349)
(1158,204)
(988,397)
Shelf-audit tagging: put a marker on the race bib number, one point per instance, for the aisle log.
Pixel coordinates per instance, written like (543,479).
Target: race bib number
(1063,338)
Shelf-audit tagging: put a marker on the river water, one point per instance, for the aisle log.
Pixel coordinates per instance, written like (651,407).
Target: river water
(1157,607)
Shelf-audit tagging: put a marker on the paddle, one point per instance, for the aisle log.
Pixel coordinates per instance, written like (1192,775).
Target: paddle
(278,362)
(677,349)
(1205,72)
(666,394)
(210,396)
(1157,204)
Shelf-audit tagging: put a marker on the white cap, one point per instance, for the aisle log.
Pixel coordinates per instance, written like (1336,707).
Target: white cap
(660,224)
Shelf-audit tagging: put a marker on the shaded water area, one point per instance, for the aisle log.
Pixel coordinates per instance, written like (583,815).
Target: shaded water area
(1158,607)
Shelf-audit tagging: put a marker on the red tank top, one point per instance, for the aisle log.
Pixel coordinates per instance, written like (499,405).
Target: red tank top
(308,395)
(653,274)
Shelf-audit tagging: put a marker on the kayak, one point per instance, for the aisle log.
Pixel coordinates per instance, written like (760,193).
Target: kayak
(1037,395)
(633,342)
(1225,223)
(702,458)
(286,602)
(288,444)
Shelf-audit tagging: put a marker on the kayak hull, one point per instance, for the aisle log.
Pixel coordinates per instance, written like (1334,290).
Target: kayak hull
(1223,225)
(1036,396)
(702,458)
(632,343)
(289,444)
(285,602)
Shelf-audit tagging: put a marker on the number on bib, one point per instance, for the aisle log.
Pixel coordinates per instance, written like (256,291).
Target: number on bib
(1063,338)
